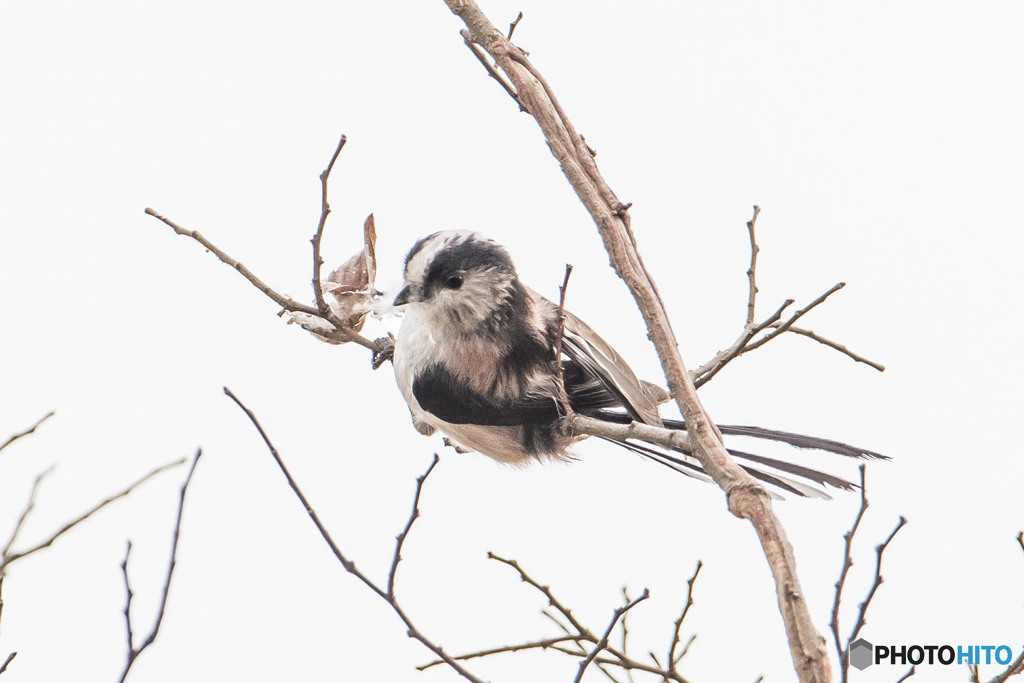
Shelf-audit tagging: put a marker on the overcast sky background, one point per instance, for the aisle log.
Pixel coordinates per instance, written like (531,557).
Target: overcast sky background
(883,142)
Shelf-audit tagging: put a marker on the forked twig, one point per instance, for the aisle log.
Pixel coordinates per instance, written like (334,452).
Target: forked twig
(335,329)
(673,659)
(133,651)
(842,650)
(12,557)
(746,342)
(386,593)
(603,642)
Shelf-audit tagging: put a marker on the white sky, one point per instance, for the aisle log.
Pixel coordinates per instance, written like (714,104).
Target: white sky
(883,142)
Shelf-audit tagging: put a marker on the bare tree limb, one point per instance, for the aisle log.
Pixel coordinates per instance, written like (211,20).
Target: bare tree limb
(133,651)
(334,329)
(413,516)
(10,658)
(745,342)
(576,634)
(5,554)
(751,271)
(842,650)
(672,659)
(810,334)
(12,557)
(911,672)
(512,26)
(603,642)
(746,499)
(863,607)
(386,593)
(14,437)
(1016,667)
(324,311)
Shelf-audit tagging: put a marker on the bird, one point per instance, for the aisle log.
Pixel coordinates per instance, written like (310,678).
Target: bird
(476,359)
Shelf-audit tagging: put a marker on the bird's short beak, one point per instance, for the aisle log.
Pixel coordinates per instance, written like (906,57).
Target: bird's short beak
(404,296)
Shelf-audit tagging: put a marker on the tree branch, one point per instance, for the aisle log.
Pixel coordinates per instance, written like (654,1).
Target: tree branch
(603,643)
(335,330)
(324,311)
(14,437)
(746,498)
(386,594)
(744,343)
(134,652)
(10,557)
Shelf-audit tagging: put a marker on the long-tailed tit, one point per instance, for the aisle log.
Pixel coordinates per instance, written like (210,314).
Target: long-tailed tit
(475,359)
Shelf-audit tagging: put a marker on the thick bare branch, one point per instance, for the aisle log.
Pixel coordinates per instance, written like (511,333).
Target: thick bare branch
(133,651)
(746,498)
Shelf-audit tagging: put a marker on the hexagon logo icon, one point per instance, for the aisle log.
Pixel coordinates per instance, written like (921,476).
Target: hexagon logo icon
(861,654)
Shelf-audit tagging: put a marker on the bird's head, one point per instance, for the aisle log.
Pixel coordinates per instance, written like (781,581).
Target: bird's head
(461,279)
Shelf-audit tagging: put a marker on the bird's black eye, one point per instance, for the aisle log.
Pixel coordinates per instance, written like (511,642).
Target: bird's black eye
(453,281)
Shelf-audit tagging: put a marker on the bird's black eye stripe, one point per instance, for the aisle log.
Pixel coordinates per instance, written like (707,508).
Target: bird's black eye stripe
(453,281)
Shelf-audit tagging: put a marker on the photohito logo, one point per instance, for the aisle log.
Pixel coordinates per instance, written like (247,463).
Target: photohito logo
(863,654)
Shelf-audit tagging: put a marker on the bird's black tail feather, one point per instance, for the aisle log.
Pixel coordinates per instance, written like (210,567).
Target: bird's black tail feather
(780,474)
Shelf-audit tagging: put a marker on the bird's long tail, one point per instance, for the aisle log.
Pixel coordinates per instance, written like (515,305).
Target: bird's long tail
(785,476)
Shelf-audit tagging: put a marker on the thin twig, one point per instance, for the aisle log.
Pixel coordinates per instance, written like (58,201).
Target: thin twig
(754,249)
(542,644)
(841,651)
(5,554)
(546,591)
(810,334)
(673,660)
(704,373)
(284,302)
(491,71)
(911,672)
(512,26)
(14,437)
(325,210)
(793,318)
(413,516)
(10,658)
(879,549)
(411,630)
(1017,666)
(625,633)
(559,370)
(134,652)
(12,557)
(603,643)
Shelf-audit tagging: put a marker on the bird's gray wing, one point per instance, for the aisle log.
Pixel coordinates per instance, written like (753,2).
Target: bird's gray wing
(599,360)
